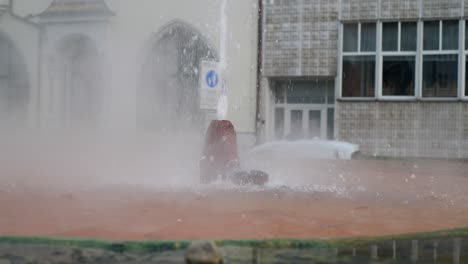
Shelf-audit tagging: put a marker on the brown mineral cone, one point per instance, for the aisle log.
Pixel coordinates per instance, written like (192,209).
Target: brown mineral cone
(220,156)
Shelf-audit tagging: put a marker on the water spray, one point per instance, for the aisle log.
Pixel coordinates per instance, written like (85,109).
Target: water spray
(222,107)
(220,160)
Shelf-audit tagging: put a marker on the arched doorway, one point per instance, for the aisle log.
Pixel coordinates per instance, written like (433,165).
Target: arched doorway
(81,80)
(14,83)
(168,91)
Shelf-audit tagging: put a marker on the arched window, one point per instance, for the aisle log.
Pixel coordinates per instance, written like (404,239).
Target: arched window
(14,82)
(81,79)
(168,92)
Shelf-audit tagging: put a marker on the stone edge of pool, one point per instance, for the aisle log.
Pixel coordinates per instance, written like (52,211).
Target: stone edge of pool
(149,246)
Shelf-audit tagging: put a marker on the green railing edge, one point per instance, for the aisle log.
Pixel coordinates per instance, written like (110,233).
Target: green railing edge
(160,246)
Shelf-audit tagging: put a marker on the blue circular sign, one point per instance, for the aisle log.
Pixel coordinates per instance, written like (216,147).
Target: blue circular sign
(212,79)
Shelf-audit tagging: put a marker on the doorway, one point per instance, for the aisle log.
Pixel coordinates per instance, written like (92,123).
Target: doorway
(306,123)
(304,110)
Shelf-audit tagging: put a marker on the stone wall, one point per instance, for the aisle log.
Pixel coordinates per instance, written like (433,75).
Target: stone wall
(300,38)
(465,11)
(441,8)
(405,129)
(421,248)
(354,10)
(359,9)
(399,9)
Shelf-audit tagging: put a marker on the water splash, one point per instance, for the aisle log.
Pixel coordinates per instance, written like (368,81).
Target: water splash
(223,102)
(223,36)
(222,105)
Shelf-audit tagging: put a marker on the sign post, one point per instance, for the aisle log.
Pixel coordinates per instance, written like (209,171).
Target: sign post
(210,85)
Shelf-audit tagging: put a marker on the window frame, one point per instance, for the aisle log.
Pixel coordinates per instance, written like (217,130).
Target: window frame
(342,54)
(462,59)
(288,107)
(397,53)
(461,52)
(440,51)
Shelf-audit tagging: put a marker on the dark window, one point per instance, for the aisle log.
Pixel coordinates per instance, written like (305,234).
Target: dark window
(431,35)
(466,37)
(306,92)
(5,59)
(358,76)
(390,36)
(368,36)
(398,75)
(315,123)
(350,37)
(466,76)
(330,92)
(279,92)
(440,75)
(450,35)
(297,130)
(331,123)
(408,36)
(279,123)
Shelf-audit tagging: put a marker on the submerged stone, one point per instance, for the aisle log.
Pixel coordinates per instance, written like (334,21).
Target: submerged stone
(253,177)
(203,252)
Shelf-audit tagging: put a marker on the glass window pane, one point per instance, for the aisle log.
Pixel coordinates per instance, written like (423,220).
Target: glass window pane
(398,75)
(408,36)
(466,77)
(330,92)
(358,76)
(466,36)
(331,123)
(440,75)
(279,123)
(315,124)
(450,35)
(390,36)
(280,87)
(350,37)
(297,131)
(431,35)
(4,59)
(306,92)
(368,36)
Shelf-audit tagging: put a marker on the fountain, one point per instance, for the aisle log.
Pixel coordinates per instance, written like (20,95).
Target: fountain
(222,106)
(221,160)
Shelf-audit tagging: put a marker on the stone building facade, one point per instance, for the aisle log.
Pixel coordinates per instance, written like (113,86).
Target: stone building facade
(122,65)
(397,68)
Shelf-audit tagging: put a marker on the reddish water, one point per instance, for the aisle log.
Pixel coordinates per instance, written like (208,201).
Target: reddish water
(386,197)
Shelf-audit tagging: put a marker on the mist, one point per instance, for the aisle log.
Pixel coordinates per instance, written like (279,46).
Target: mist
(105,112)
